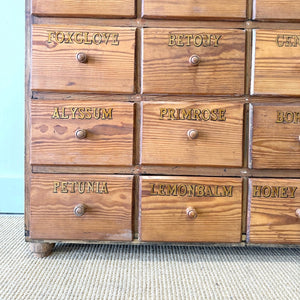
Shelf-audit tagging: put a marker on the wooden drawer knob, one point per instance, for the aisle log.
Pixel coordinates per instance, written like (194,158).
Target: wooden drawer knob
(192,134)
(81,134)
(81,57)
(191,213)
(79,210)
(194,60)
(297,213)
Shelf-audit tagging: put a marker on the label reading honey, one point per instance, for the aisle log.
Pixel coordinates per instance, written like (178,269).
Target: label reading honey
(196,40)
(191,190)
(287,40)
(193,114)
(267,191)
(82,113)
(87,38)
(287,117)
(80,187)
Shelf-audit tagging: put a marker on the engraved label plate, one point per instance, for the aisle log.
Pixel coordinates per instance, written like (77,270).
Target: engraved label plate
(276,62)
(107,202)
(275,137)
(193,61)
(190,209)
(274,211)
(192,133)
(82,58)
(81,133)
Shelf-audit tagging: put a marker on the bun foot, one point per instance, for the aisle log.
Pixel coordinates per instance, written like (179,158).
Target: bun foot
(41,250)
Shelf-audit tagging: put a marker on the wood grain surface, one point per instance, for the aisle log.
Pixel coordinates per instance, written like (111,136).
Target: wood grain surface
(273,219)
(84,8)
(110,66)
(166,69)
(108,215)
(109,139)
(276,69)
(214,9)
(276,9)
(163,218)
(165,140)
(275,137)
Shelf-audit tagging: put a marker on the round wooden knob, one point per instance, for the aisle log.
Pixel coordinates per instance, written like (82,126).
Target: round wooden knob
(81,134)
(194,60)
(192,134)
(79,210)
(297,212)
(81,57)
(191,213)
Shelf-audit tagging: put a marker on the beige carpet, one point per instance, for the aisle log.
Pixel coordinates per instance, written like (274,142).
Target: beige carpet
(143,272)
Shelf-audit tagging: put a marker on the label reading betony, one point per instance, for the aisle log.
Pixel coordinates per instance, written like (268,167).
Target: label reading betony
(287,117)
(87,38)
(191,190)
(194,114)
(82,113)
(196,40)
(267,191)
(80,187)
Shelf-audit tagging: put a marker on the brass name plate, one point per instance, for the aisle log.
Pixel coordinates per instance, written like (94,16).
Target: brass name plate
(80,187)
(287,117)
(287,40)
(196,40)
(81,37)
(195,114)
(82,113)
(267,191)
(191,190)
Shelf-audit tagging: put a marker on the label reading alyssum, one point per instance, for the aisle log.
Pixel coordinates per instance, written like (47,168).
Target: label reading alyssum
(82,113)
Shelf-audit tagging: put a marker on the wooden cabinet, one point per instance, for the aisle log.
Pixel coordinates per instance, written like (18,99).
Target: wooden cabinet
(192,133)
(276,9)
(84,8)
(82,59)
(274,211)
(157,121)
(193,61)
(72,207)
(214,9)
(276,62)
(81,133)
(181,209)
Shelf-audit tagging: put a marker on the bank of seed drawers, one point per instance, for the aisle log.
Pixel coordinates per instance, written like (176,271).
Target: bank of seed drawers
(134,123)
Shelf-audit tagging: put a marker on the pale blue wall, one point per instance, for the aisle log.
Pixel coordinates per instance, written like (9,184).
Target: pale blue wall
(12,29)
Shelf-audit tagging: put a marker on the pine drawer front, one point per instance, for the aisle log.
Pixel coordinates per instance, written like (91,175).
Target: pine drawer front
(276,62)
(276,9)
(81,133)
(190,209)
(81,207)
(214,9)
(83,59)
(84,8)
(192,133)
(274,211)
(193,61)
(275,137)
